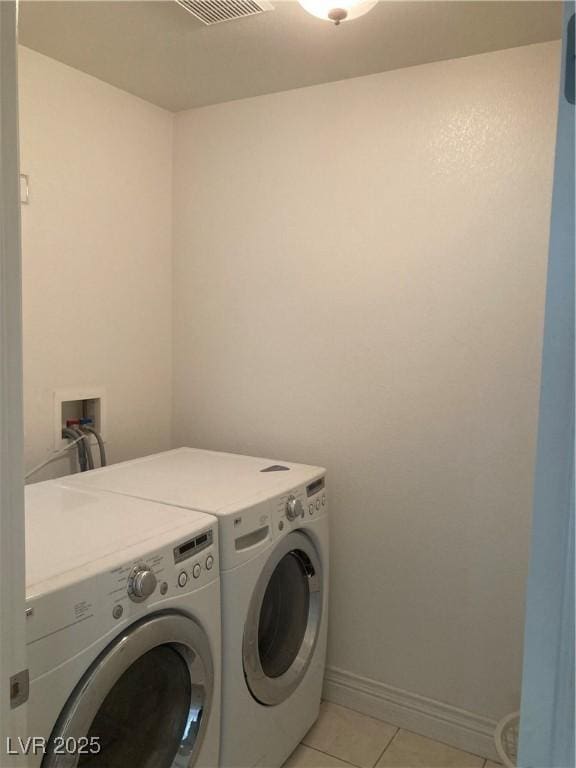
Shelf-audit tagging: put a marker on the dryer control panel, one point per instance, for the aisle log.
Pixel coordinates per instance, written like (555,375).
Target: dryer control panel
(245,531)
(301,504)
(316,498)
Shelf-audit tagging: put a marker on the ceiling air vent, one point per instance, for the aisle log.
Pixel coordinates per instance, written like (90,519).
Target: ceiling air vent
(215,11)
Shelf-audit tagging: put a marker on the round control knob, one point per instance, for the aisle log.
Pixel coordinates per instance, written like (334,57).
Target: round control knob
(141,584)
(294,508)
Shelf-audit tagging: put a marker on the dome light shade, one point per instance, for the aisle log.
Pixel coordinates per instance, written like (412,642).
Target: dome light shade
(337,10)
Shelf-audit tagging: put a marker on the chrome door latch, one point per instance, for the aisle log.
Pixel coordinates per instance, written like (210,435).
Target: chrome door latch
(19,688)
(24,189)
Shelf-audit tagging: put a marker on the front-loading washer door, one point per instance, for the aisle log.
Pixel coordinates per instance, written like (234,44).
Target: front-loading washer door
(144,702)
(283,620)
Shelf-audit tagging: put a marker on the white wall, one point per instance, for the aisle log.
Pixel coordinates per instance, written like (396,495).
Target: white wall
(96,256)
(359,282)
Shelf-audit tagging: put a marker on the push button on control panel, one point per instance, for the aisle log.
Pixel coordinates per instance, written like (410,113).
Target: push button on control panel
(317,503)
(323,499)
(182,579)
(197,570)
(209,562)
(310,509)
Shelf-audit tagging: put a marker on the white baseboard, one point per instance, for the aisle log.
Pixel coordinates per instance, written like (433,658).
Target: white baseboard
(451,725)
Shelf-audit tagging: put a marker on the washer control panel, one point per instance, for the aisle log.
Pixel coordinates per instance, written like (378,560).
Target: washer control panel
(184,566)
(193,546)
(141,583)
(195,560)
(65,615)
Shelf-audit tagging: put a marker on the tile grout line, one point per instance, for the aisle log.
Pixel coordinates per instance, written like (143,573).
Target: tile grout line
(328,754)
(381,755)
(398,729)
(445,744)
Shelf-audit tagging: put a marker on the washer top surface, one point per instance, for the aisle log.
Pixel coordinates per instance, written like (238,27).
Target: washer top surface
(74,531)
(208,481)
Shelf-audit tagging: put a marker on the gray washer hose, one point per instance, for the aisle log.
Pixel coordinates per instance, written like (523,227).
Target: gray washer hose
(86,447)
(72,434)
(100,442)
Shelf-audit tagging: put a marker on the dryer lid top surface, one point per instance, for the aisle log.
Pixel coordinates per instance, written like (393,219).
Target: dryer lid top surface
(208,481)
(68,529)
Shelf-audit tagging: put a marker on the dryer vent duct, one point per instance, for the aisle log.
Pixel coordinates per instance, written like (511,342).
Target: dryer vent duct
(214,11)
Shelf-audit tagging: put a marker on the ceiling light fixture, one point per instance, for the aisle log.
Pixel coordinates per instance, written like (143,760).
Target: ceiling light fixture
(337,10)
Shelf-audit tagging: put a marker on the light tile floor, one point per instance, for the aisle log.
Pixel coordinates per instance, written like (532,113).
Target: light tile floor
(342,738)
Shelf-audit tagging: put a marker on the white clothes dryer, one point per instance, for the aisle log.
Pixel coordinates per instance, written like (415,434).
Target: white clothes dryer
(123,632)
(274,559)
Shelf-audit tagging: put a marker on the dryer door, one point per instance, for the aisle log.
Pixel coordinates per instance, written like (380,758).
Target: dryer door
(283,620)
(144,702)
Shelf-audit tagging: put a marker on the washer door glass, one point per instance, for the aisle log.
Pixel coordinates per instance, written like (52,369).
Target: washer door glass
(284,615)
(144,702)
(283,620)
(145,713)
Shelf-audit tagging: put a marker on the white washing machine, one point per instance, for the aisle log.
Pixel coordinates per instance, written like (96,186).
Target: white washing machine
(123,632)
(274,571)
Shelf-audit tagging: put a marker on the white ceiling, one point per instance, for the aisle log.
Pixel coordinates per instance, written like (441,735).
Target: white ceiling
(158,51)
